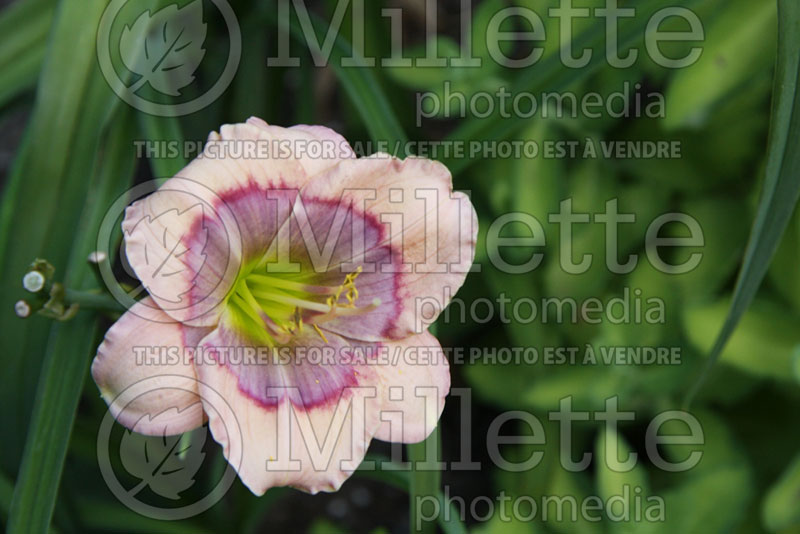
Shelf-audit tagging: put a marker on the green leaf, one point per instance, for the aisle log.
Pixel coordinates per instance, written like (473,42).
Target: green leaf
(763,343)
(618,485)
(780,510)
(160,131)
(732,54)
(566,491)
(424,482)
(24,27)
(105,516)
(781,186)
(551,76)
(45,193)
(360,84)
(164,133)
(6,491)
(713,502)
(714,495)
(717,157)
(252,73)
(783,270)
(588,385)
(481,36)
(397,476)
(724,224)
(323,526)
(659,295)
(429,78)
(642,201)
(507,523)
(537,185)
(720,448)
(69,349)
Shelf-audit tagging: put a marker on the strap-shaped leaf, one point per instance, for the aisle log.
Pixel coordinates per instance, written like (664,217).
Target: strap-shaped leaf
(163,130)
(69,348)
(551,76)
(781,185)
(394,475)
(60,193)
(423,483)
(24,27)
(44,197)
(360,84)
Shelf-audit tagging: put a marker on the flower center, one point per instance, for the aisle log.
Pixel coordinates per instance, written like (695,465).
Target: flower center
(274,307)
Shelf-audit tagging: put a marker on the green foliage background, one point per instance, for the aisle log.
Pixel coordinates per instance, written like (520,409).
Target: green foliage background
(734,111)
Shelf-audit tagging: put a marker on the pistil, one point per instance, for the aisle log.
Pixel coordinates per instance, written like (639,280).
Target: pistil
(278,307)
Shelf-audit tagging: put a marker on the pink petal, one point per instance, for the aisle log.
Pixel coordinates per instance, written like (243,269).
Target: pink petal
(416,380)
(300,423)
(130,358)
(187,241)
(416,224)
(318,148)
(316,224)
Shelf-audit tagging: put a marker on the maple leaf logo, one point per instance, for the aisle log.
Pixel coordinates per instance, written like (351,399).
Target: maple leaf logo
(165,464)
(171,51)
(171,252)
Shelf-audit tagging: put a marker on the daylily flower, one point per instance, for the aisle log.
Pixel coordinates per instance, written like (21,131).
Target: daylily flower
(300,280)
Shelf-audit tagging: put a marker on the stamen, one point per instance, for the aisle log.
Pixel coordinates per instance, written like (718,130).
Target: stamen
(350,286)
(298,320)
(272,281)
(280,333)
(276,305)
(292,301)
(346,312)
(319,331)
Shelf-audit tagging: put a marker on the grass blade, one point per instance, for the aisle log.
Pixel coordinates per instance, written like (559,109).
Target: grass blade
(45,194)
(6,491)
(69,351)
(24,27)
(781,185)
(160,130)
(399,478)
(552,76)
(361,86)
(423,483)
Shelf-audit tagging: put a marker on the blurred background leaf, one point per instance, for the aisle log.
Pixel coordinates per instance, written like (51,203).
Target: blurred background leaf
(77,153)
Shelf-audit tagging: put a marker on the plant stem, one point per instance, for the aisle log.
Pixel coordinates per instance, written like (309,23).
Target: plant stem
(93,300)
(424,483)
